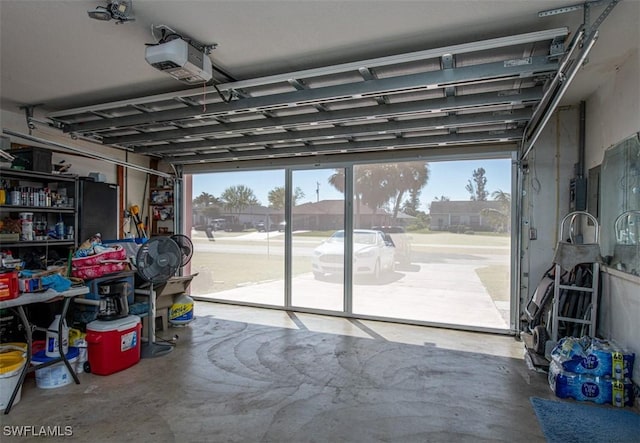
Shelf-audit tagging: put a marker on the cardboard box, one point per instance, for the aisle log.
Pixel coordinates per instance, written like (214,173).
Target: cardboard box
(167,292)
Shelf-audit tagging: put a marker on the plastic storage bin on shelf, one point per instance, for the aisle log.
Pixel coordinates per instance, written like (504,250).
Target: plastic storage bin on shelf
(113,345)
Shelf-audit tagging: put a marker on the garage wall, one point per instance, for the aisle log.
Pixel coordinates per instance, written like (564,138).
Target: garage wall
(82,166)
(546,194)
(613,114)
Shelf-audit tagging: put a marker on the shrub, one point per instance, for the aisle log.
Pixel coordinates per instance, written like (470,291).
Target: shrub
(458,229)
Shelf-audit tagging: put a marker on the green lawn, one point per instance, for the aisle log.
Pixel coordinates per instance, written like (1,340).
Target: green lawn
(218,272)
(448,238)
(495,279)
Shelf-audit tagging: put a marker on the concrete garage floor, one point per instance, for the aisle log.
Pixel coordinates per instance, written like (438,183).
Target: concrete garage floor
(246,374)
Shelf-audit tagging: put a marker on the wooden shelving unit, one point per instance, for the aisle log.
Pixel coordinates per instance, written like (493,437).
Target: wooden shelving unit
(161,206)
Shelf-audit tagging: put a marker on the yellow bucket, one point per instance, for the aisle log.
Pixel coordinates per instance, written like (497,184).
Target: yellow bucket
(13,346)
(10,361)
(11,364)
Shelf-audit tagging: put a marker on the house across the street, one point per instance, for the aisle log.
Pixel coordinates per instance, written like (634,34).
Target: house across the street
(447,215)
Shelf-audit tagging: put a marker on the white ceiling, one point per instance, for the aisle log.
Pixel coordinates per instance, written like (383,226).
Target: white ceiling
(54,54)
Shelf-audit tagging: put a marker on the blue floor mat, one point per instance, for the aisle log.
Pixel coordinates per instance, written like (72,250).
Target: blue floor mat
(569,421)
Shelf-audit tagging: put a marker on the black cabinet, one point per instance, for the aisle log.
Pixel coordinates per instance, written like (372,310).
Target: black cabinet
(98,210)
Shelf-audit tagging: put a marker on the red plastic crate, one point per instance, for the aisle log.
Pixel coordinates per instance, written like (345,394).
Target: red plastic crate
(9,285)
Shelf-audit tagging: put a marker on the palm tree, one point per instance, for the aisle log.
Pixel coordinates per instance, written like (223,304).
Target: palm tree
(364,179)
(502,196)
(276,197)
(406,177)
(337,179)
(238,198)
(500,218)
(377,185)
(205,199)
(208,205)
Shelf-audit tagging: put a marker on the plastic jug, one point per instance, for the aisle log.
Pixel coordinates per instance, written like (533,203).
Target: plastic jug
(52,338)
(181,311)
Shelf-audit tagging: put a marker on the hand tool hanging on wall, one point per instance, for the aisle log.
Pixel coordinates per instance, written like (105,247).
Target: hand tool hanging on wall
(140,228)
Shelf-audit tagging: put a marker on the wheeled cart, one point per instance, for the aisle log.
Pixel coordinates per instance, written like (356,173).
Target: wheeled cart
(575,304)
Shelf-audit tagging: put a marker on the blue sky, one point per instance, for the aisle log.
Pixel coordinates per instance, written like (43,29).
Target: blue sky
(446,178)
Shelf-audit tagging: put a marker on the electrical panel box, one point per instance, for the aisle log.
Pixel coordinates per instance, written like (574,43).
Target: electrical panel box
(578,194)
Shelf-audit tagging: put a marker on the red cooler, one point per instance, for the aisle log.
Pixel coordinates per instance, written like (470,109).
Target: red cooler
(113,345)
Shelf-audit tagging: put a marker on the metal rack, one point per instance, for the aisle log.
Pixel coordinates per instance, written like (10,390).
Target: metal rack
(568,255)
(48,212)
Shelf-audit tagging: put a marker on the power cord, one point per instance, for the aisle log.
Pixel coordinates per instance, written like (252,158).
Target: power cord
(172,341)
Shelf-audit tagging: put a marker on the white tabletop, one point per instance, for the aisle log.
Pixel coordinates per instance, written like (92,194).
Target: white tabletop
(26,298)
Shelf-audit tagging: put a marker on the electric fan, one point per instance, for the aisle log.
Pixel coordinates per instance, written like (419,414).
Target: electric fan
(157,261)
(185,244)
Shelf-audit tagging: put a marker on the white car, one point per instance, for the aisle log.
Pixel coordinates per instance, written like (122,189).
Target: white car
(372,254)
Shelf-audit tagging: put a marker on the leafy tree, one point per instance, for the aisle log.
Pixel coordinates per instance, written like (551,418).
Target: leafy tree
(382,184)
(236,198)
(277,194)
(479,191)
(499,218)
